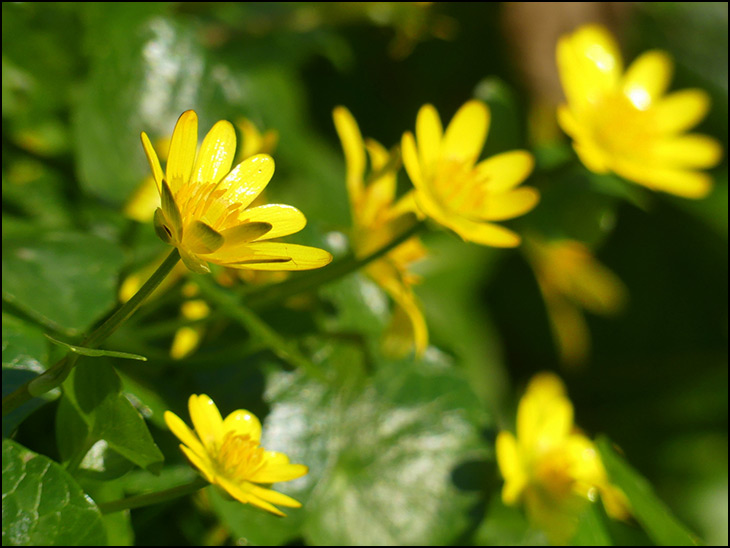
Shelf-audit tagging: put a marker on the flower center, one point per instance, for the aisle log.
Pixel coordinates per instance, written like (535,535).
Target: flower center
(239,456)
(621,127)
(457,185)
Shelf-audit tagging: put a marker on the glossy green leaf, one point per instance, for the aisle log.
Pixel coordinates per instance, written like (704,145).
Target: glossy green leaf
(96,352)
(66,280)
(160,70)
(43,505)
(94,403)
(25,355)
(653,515)
(382,454)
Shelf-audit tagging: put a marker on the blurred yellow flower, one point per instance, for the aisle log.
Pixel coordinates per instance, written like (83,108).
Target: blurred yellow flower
(205,211)
(455,191)
(572,279)
(550,467)
(377,220)
(228,454)
(624,122)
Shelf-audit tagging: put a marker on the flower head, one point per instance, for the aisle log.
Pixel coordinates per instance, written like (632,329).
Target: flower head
(551,467)
(228,454)
(205,205)
(625,123)
(378,219)
(572,279)
(459,193)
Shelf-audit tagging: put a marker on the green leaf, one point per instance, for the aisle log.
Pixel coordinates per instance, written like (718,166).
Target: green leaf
(653,515)
(43,505)
(592,529)
(96,352)
(159,70)
(66,280)
(25,356)
(381,452)
(95,406)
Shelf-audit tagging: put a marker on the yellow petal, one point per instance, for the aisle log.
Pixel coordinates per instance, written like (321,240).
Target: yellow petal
(273,256)
(245,232)
(242,493)
(647,79)
(206,420)
(243,184)
(274,497)
(178,427)
(592,156)
(284,219)
(354,149)
(411,161)
(681,110)
(202,238)
(483,233)
(687,151)
(428,133)
(505,171)
(510,465)
(153,160)
(277,468)
(186,341)
(569,329)
(182,150)
(685,183)
(201,462)
(467,131)
(545,415)
(509,205)
(243,423)
(590,65)
(216,154)
(408,328)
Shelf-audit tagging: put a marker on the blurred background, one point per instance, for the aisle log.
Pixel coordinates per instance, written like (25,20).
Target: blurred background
(80,81)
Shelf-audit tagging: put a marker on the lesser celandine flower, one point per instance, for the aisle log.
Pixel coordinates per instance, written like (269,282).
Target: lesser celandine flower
(456,191)
(625,123)
(378,219)
(228,454)
(572,279)
(205,211)
(551,467)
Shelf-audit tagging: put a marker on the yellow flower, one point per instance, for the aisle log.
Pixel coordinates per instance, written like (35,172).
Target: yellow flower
(453,189)
(228,454)
(551,467)
(624,122)
(205,211)
(571,279)
(377,220)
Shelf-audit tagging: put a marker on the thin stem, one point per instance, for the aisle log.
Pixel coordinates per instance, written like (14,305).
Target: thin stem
(139,501)
(56,374)
(259,329)
(266,296)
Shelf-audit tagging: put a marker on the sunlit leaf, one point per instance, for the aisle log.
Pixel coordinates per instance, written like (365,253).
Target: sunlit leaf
(43,505)
(95,406)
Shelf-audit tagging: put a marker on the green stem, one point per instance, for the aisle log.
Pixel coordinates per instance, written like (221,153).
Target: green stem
(139,501)
(266,296)
(56,374)
(259,330)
